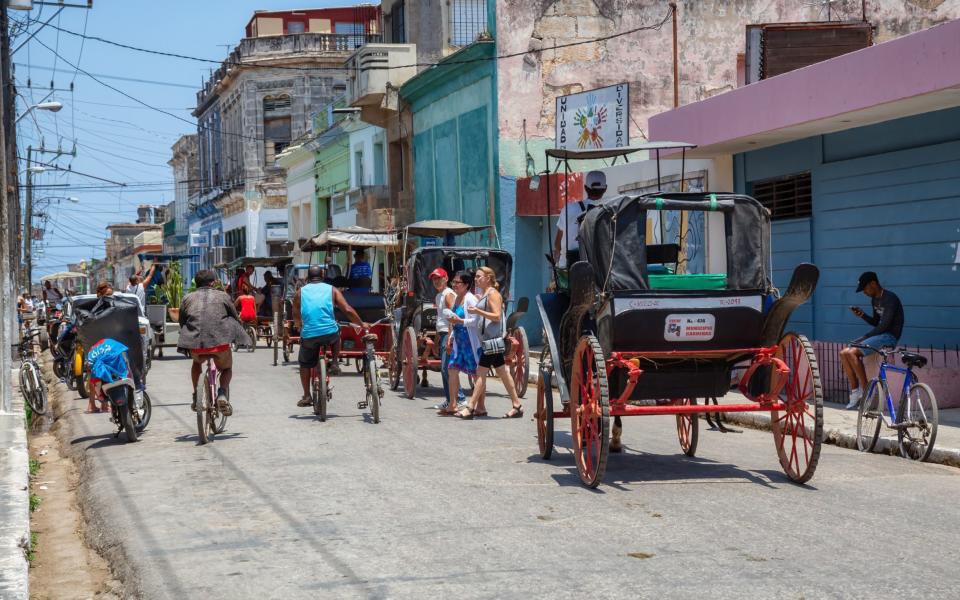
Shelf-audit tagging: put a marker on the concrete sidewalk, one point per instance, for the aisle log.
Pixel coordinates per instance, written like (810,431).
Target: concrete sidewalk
(14,500)
(839,424)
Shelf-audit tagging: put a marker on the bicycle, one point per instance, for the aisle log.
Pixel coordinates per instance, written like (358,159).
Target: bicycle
(210,421)
(915,421)
(251,330)
(371,374)
(32,387)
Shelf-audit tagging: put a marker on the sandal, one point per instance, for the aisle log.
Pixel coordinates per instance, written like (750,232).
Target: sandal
(514,413)
(480,413)
(446,412)
(467,413)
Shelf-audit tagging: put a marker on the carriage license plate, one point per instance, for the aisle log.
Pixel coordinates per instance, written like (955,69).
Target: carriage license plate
(689,328)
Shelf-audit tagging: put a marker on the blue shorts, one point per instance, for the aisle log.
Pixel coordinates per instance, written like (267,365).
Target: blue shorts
(878,341)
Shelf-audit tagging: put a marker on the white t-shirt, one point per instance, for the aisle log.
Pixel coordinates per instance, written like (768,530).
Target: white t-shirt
(568,216)
(443,325)
(139,292)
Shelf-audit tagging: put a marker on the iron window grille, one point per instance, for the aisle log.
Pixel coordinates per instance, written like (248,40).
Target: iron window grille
(788,197)
(398,33)
(468,21)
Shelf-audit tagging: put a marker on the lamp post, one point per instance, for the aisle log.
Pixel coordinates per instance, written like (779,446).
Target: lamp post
(51,106)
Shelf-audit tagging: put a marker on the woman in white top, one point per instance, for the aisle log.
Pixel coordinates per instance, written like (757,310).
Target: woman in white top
(489,309)
(464,341)
(445,300)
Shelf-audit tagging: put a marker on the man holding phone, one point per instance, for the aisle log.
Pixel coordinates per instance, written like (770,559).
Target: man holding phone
(887,322)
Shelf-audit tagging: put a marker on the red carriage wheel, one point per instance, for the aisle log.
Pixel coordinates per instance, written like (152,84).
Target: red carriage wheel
(394,368)
(520,366)
(798,431)
(590,411)
(544,416)
(688,428)
(410,359)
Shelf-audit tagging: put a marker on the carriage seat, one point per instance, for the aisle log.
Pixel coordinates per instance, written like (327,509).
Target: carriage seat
(368,305)
(913,360)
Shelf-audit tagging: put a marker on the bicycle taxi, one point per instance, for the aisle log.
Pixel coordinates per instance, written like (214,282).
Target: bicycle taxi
(415,312)
(268,315)
(637,334)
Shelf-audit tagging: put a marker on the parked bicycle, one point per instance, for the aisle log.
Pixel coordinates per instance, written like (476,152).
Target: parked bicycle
(210,419)
(371,374)
(31,379)
(915,417)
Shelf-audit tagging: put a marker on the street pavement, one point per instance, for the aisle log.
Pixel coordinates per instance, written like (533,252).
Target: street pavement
(421,506)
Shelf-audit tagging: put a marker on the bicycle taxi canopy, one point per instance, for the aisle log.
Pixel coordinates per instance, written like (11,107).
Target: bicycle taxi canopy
(358,237)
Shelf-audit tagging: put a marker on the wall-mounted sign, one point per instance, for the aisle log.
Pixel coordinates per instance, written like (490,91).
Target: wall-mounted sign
(594,119)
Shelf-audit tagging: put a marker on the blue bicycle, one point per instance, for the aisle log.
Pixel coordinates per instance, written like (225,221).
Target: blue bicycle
(915,419)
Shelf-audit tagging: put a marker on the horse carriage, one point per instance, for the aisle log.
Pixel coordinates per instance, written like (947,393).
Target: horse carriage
(415,313)
(366,296)
(265,327)
(637,333)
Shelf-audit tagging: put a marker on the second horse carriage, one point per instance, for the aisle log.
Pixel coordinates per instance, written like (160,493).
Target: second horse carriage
(415,314)
(636,333)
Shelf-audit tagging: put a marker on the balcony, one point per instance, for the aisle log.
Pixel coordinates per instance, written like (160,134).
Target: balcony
(375,67)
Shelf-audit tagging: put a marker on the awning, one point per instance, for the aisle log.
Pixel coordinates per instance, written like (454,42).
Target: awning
(266,262)
(351,236)
(569,154)
(63,275)
(440,228)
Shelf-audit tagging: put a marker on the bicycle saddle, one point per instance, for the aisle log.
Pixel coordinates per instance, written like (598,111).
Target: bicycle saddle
(372,337)
(914,360)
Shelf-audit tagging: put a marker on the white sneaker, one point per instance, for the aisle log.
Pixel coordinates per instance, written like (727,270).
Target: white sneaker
(855,397)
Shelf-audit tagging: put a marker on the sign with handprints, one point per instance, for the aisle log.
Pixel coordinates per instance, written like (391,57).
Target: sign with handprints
(594,119)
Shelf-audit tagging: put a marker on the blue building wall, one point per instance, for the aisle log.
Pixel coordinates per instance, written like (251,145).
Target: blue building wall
(886,198)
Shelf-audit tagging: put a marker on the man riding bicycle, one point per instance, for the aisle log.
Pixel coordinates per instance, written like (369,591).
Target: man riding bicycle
(209,323)
(313,310)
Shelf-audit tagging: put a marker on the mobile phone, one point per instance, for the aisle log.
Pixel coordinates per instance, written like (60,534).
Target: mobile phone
(855,309)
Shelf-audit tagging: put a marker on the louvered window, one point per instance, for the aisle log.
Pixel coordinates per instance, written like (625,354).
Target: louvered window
(271,104)
(786,197)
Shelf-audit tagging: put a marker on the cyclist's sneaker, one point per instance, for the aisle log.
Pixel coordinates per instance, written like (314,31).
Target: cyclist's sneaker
(855,397)
(334,368)
(223,403)
(305,401)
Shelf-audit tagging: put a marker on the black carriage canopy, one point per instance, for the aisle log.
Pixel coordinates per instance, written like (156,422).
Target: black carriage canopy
(613,238)
(424,260)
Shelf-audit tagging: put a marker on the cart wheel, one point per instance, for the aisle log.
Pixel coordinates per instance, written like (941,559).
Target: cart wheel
(410,360)
(287,348)
(590,411)
(798,432)
(393,368)
(544,415)
(688,428)
(520,367)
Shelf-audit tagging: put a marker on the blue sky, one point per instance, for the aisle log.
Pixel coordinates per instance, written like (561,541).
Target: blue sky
(116,138)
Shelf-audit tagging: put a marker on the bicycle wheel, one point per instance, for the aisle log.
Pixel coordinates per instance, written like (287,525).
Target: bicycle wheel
(252,334)
(918,409)
(373,389)
(202,415)
(30,383)
(870,416)
(324,388)
(218,420)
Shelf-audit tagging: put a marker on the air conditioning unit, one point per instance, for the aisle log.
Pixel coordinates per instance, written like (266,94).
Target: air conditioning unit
(219,255)
(198,240)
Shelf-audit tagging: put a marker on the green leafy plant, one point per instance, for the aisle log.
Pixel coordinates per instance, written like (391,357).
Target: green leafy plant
(34,467)
(35,501)
(32,550)
(170,292)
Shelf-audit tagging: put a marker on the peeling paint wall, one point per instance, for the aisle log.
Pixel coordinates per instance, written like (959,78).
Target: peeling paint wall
(710,35)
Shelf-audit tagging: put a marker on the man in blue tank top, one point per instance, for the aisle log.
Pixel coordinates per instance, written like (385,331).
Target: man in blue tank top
(313,309)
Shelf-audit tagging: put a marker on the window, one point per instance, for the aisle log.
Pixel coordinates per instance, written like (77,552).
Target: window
(379,176)
(359,179)
(787,197)
(276,127)
(398,33)
(237,239)
(354,31)
(296,27)
(468,21)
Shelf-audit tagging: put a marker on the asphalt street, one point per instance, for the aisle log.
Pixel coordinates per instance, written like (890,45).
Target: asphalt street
(420,506)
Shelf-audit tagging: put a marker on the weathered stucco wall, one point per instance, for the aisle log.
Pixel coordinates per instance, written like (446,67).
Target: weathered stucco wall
(710,35)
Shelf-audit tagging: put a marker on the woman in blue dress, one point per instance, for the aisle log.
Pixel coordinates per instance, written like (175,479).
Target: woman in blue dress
(463,343)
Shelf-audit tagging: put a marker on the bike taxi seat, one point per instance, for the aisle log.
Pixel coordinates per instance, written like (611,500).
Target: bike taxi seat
(914,360)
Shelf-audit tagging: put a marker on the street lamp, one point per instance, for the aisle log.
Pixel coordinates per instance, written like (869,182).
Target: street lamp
(53,106)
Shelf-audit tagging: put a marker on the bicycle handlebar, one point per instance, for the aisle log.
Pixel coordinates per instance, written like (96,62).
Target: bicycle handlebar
(375,323)
(882,352)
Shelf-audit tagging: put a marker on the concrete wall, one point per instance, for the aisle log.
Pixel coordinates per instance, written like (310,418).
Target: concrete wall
(363,141)
(884,199)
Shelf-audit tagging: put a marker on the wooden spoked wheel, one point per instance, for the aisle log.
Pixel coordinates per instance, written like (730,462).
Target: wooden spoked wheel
(590,411)
(520,367)
(410,359)
(393,368)
(688,428)
(544,416)
(798,431)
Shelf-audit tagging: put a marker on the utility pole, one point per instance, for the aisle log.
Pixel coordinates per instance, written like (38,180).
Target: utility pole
(676,62)
(8,331)
(28,226)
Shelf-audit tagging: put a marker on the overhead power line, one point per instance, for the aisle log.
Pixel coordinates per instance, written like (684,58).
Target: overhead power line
(113,77)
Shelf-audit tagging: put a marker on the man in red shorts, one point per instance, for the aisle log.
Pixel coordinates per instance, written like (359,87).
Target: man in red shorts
(209,323)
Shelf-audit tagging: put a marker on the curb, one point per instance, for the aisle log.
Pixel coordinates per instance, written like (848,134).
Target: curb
(14,501)
(837,437)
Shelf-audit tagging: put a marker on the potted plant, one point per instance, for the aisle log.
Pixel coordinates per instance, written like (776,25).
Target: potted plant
(170,292)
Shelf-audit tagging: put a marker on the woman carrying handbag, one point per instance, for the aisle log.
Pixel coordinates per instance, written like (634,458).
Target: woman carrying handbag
(492,347)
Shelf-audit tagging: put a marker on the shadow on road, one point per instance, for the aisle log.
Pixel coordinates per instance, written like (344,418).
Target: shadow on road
(232,435)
